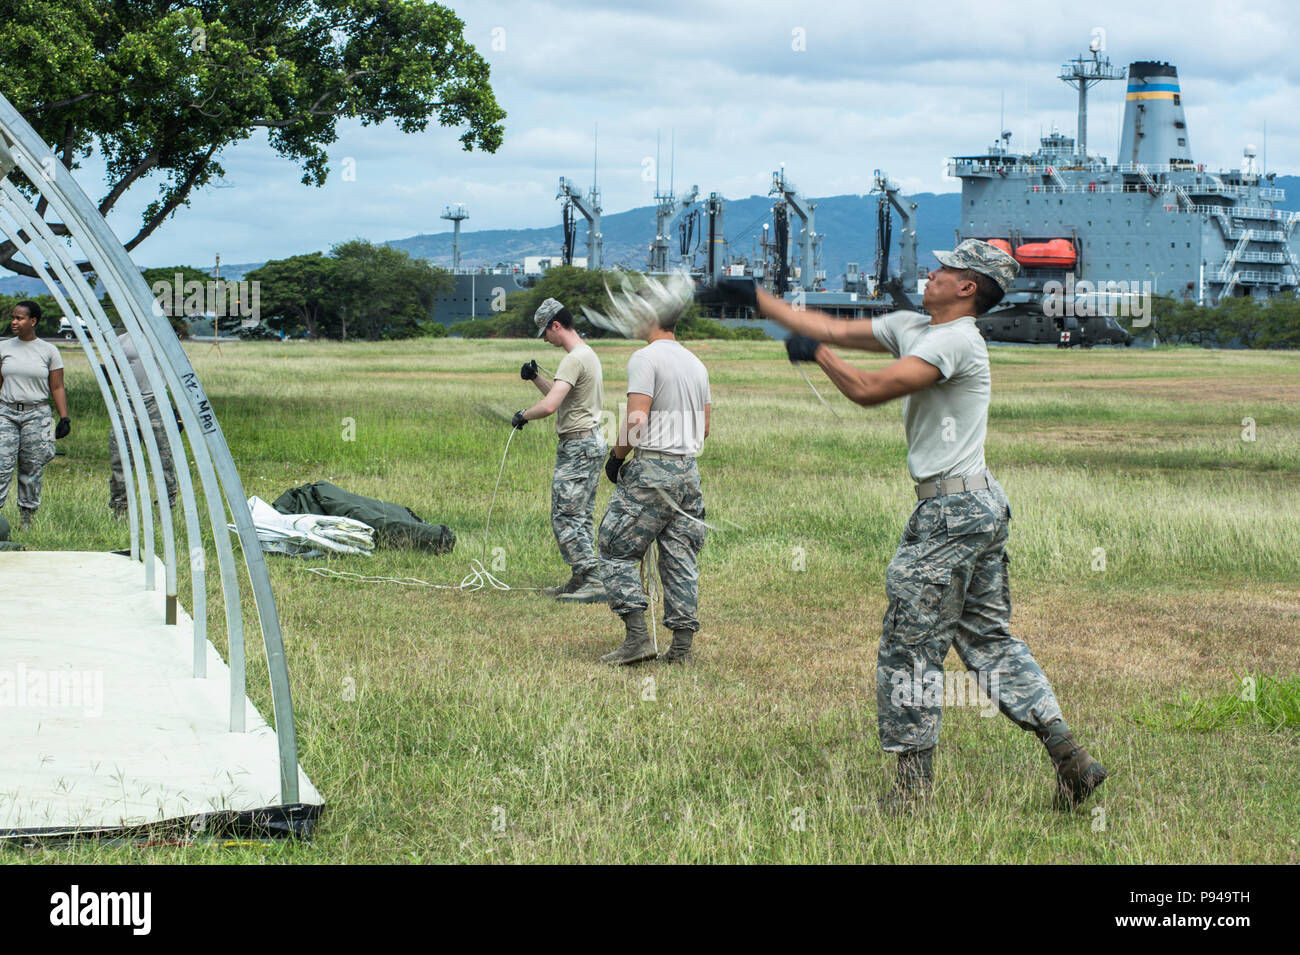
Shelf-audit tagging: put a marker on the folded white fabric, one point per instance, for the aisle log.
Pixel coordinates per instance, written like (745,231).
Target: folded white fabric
(308,535)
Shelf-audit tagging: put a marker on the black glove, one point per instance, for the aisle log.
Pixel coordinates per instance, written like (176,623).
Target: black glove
(529,371)
(801,347)
(612,466)
(519,420)
(62,428)
(730,291)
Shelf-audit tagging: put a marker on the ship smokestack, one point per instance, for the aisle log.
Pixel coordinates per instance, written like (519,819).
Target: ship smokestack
(1155,130)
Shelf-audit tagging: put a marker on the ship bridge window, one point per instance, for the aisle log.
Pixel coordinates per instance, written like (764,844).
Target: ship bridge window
(1182,141)
(1178,100)
(1174,245)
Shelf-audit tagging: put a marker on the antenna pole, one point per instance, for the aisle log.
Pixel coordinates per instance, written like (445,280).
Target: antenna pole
(658,134)
(216,317)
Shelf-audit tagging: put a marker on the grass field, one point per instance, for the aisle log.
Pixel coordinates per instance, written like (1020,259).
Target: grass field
(1155,562)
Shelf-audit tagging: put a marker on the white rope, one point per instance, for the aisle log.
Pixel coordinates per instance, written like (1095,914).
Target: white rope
(477,579)
(500,471)
(697,520)
(648,578)
(814,389)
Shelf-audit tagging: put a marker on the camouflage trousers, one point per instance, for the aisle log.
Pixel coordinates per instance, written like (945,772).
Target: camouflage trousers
(116,480)
(639,515)
(947,586)
(26,445)
(578,465)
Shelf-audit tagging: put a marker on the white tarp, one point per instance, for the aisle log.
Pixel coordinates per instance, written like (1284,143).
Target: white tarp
(308,535)
(105,725)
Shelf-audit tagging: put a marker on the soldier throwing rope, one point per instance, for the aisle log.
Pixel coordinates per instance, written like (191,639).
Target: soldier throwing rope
(657,498)
(947,584)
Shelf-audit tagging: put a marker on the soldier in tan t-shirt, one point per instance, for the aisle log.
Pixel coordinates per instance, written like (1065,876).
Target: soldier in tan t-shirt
(575,398)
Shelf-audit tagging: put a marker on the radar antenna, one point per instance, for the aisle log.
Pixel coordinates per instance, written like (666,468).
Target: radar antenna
(1083,73)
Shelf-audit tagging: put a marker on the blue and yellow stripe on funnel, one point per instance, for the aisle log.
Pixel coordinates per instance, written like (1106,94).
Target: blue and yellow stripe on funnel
(1140,91)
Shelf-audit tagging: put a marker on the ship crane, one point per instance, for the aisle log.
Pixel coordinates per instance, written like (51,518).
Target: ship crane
(667,211)
(589,207)
(899,287)
(809,239)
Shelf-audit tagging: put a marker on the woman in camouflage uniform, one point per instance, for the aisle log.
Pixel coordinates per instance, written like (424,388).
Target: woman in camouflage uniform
(31,372)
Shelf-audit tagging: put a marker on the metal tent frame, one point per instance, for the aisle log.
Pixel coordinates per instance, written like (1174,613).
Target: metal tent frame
(169,371)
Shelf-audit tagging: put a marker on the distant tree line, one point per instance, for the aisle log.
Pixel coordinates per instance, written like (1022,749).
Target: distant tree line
(575,287)
(358,291)
(1235,323)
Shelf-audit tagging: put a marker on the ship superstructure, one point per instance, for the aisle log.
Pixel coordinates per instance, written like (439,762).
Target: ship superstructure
(1155,222)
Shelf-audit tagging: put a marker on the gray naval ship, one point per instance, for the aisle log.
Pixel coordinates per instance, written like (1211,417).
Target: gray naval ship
(1096,240)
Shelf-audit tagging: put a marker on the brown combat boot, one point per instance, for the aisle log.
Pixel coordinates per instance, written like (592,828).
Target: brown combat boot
(680,651)
(912,784)
(637,646)
(1077,773)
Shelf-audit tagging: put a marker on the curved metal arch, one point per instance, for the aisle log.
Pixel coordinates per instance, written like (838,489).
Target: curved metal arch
(61,266)
(168,368)
(101,329)
(12,203)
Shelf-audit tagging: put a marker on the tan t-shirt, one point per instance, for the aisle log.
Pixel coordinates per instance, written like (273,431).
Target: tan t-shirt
(580,408)
(26,367)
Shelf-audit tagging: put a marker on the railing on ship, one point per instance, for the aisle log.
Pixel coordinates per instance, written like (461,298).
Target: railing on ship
(1001,164)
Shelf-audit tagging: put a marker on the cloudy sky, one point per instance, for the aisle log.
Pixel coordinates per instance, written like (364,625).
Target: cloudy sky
(832,90)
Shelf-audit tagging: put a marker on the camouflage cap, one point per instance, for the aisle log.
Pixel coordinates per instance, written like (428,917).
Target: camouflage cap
(980,256)
(546,313)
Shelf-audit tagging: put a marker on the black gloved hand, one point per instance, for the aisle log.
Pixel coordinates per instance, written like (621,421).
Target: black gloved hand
(730,291)
(612,466)
(62,428)
(529,371)
(801,347)
(518,420)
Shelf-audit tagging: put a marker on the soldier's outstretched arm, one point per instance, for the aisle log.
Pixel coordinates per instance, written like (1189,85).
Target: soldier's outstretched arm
(833,331)
(895,380)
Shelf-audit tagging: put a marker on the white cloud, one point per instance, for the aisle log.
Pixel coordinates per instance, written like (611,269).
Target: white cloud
(899,88)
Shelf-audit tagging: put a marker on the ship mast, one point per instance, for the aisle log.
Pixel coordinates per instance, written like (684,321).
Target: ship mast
(1082,73)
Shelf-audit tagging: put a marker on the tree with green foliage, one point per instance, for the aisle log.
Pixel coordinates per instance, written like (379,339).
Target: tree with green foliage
(1239,322)
(161,87)
(297,294)
(173,306)
(384,292)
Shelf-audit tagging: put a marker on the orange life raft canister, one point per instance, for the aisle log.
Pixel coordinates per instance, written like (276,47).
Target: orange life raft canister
(1055,253)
